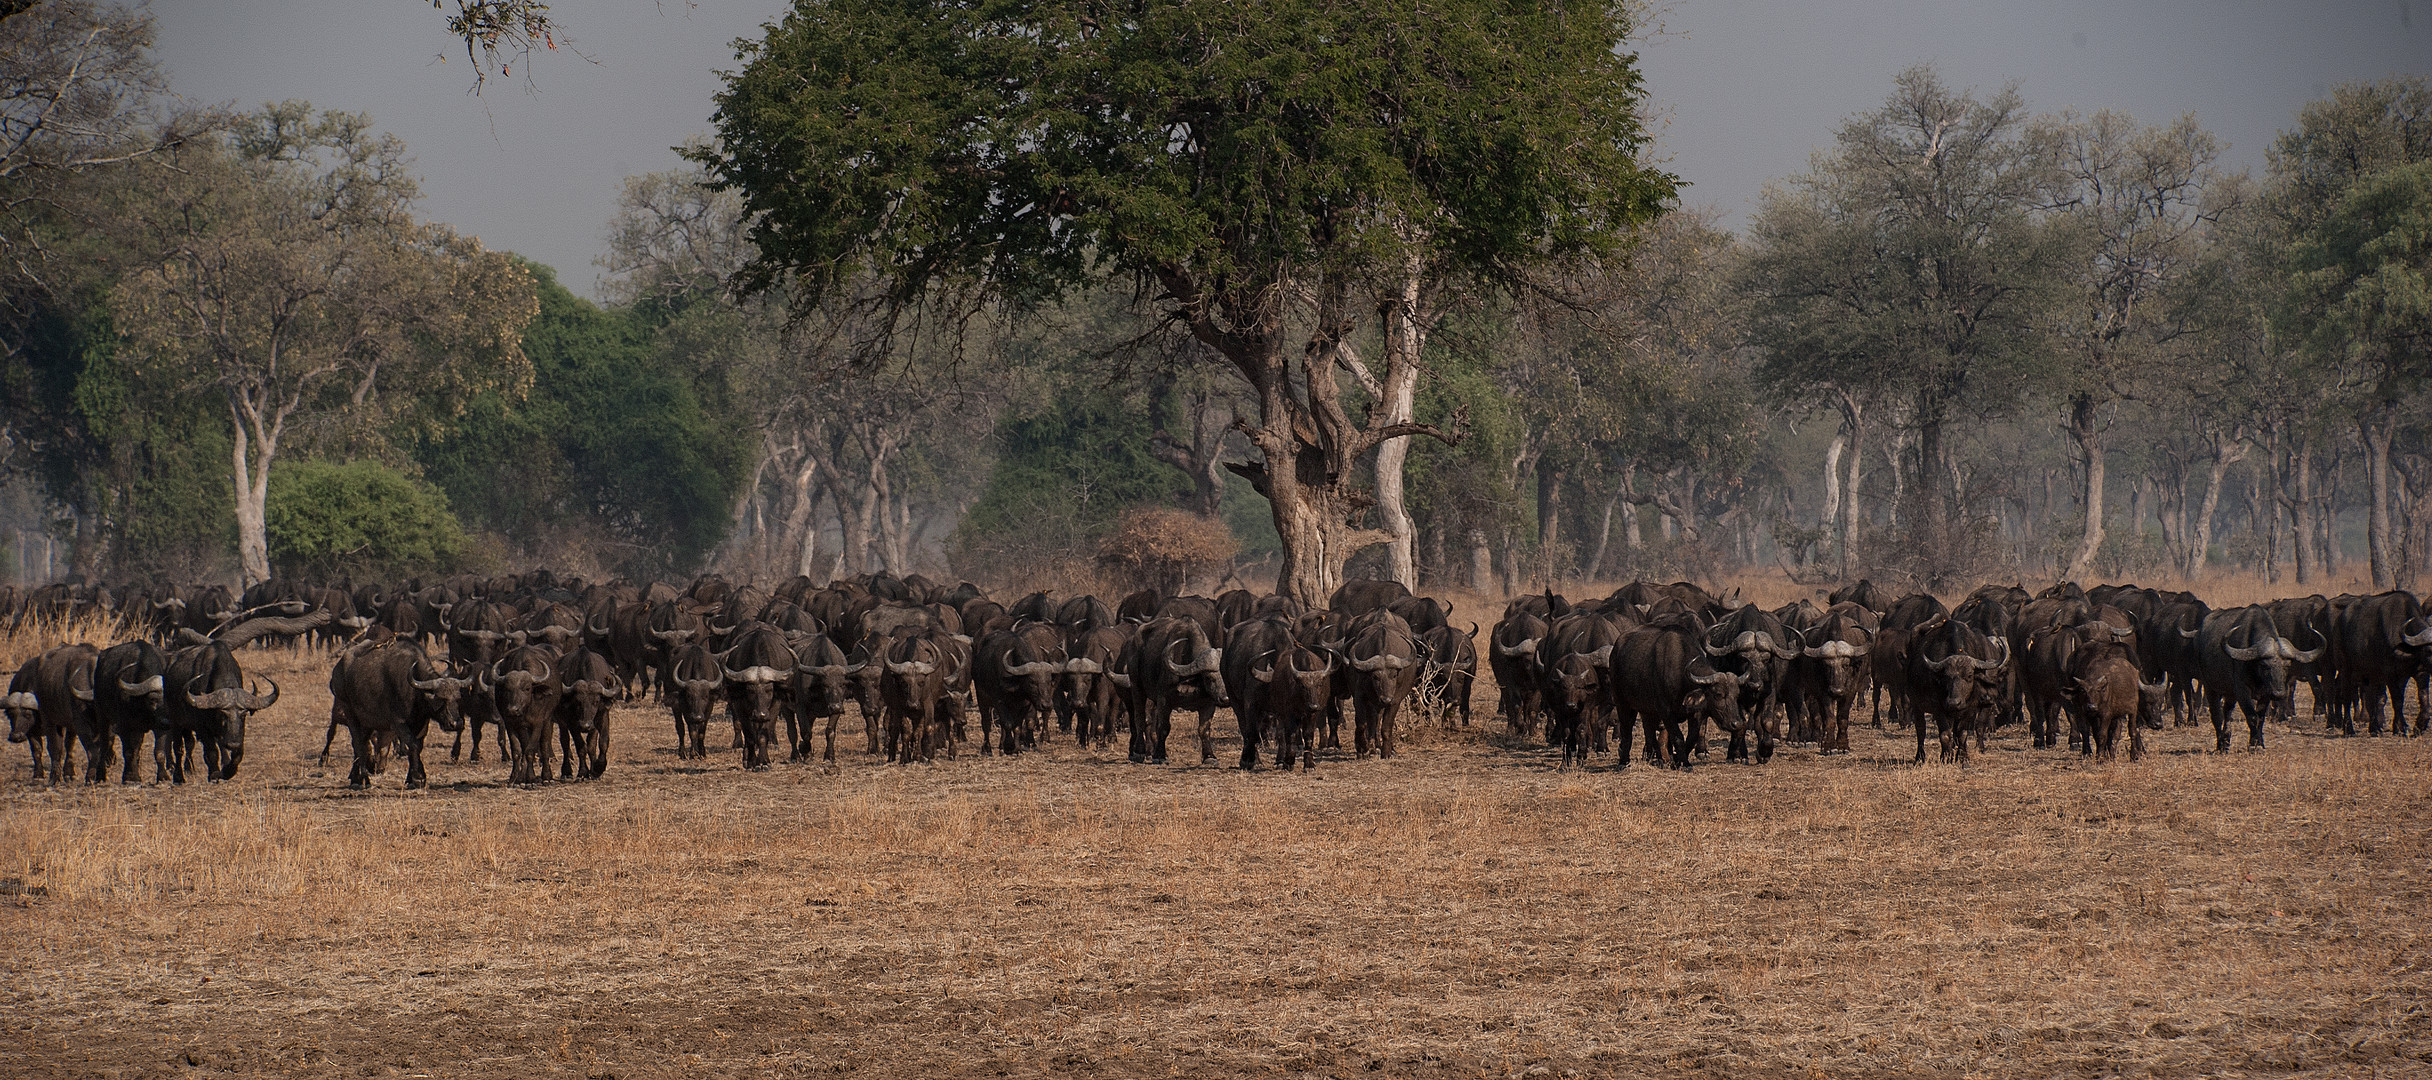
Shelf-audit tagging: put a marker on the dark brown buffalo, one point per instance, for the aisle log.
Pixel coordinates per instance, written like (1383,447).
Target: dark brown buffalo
(690,689)
(1357,598)
(1831,671)
(1383,658)
(756,667)
(823,686)
(1013,675)
(63,689)
(1957,675)
(1451,669)
(24,709)
(2381,642)
(130,694)
(1089,681)
(2244,663)
(913,686)
(389,696)
(1512,656)
(584,713)
(523,689)
(1663,682)
(1291,690)
(1173,663)
(211,702)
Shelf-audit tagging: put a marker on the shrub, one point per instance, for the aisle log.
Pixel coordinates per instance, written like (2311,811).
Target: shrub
(359,518)
(1166,549)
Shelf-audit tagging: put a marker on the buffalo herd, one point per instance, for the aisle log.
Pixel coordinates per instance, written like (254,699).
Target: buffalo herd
(541,663)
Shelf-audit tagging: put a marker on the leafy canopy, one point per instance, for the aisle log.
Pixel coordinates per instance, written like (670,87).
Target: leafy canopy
(1216,148)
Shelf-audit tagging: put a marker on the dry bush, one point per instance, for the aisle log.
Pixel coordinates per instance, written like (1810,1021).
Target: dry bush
(1167,550)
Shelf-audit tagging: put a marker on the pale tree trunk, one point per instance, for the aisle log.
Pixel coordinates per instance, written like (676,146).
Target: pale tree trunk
(1604,539)
(255,446)
(1308,446)
(1397,397)
(2226,451)
(1830,517)
(2301,507)
(1481,562)
(2377,434)
(2084,434)
(1853,423)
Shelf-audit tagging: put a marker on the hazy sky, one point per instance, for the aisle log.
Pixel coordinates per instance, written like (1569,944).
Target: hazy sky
(1747,89)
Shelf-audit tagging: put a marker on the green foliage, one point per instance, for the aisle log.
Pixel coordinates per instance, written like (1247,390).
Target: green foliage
(1064,473)
(359,518)
(615,437)
(2363,276)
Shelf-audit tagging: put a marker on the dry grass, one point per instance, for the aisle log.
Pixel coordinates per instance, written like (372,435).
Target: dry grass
(1467,909)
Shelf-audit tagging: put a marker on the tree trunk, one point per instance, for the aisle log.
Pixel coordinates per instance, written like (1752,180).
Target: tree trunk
(2301,509)
(2088,440)
(1854,417)
(1405,337)
(1549,519)
(2377,434)
(254,446)
(2225,453)
(1604,539)
(1481,562)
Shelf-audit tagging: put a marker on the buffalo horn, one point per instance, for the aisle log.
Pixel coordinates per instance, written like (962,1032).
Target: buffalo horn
(1523,649)
(20,700)
(1084,666)
(140,686)
(1603,656)
(2418,639)
(600,629)
(256,702)
(911,668)
(1120,679)
(755,674)
(2303,656)
(1786,652)
(1708,679)
(2241,655)
(84,693)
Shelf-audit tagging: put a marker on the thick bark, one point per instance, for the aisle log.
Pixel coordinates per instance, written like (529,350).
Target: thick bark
(1481,562)
(2377,434)
(1405,325)
(2088,439)
(1306,440)
(1829,520)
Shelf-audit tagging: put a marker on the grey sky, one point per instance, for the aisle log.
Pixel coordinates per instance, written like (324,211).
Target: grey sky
(1748,89)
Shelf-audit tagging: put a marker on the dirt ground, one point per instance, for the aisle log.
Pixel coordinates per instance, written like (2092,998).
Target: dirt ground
(1467,909)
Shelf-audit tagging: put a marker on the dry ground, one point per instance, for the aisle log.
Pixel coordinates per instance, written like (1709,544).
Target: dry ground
(1466,909)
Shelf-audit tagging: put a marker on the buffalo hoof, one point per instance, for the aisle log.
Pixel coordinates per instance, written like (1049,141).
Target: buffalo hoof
(1158,759)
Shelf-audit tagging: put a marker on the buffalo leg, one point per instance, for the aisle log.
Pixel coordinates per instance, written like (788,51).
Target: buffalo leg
(130,749)
(409,744)
(359,776)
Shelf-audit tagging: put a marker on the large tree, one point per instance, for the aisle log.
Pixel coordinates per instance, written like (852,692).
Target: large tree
(2346,192)
(287,276)
(1263,171)
(1913,262)
(2133,198)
